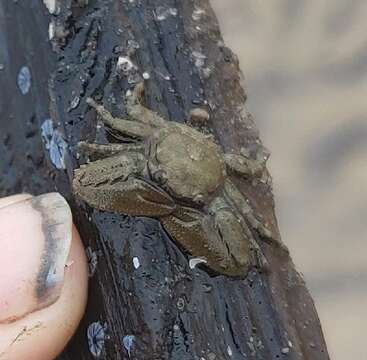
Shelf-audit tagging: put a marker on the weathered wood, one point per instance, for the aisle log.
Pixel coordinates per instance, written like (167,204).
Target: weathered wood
(172,311)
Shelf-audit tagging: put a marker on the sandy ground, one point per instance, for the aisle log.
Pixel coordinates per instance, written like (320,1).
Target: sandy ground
(305,67)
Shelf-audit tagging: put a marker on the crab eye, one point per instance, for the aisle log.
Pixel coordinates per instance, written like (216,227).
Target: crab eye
(160,176)
(199,199)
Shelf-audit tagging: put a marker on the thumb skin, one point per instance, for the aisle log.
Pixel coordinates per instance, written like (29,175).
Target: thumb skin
(43,277)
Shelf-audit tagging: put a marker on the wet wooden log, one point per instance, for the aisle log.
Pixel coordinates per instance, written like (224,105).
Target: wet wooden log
(145,301)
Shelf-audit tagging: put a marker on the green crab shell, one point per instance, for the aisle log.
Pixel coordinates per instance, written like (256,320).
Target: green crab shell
(194,166)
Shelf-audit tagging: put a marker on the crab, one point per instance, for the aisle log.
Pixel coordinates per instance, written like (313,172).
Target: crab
(180,176)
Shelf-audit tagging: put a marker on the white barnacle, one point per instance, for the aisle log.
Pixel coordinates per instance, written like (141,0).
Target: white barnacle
(74,103)
(197,14)
(162,13)
(51,30)
(24,79)
(207,71)
(196,261)
(180,304)
(132,46)
(54,143)
(47,129)
(199,58)
(52,6)
(96,335)
(58,150)
(128,342)
(125,65)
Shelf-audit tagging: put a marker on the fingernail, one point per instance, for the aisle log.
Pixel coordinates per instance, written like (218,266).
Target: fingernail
(35,239)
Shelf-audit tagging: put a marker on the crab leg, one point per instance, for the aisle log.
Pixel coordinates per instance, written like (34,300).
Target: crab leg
(243,166)
(196,232)
(144,115)
(132,196)
(127,127)
(234,196)
(214,238)
(231,225)
(117,184)
(139,112)
(100,151)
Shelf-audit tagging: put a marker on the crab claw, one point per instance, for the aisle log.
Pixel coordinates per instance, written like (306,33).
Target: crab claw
(200,234)
(130,196)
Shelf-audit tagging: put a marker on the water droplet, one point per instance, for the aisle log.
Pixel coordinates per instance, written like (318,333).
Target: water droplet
(229,351)
(207,288)
(146,76)
(51,30)
(165,77)
(96,335)
(24,79)
(136,262)
(128,342)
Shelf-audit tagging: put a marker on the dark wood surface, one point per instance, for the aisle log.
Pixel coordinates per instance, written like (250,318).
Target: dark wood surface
(172,311)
